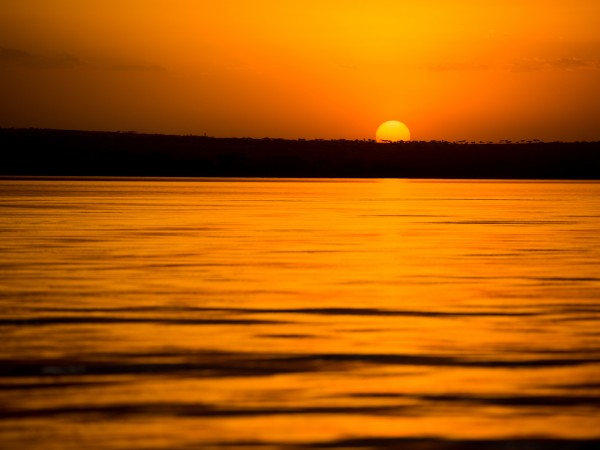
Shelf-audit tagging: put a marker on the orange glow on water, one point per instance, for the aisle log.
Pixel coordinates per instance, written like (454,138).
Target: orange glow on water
(187,313)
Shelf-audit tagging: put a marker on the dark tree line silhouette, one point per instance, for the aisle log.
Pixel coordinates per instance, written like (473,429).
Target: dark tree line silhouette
(86,153)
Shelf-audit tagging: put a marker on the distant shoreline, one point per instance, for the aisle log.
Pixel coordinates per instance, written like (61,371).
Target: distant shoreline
(85,154)
(168,179)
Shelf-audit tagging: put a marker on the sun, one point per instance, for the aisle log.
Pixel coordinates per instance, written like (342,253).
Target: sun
(392,131)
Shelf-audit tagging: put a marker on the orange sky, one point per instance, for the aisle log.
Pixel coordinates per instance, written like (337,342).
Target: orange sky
(464,69)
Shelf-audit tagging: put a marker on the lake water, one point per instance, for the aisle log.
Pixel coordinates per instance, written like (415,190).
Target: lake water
(294,314)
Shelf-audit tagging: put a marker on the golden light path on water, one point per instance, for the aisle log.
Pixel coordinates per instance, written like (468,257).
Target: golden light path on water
(298,313)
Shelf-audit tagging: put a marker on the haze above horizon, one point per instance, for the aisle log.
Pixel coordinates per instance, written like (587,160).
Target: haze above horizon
(449,70)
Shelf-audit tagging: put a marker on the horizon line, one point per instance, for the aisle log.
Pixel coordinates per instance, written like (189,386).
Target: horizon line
(300,139)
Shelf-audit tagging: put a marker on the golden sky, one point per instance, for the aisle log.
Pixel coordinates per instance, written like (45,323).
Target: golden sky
(464,69)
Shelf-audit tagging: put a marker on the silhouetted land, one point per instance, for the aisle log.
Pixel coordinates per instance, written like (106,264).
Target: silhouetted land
(85,153)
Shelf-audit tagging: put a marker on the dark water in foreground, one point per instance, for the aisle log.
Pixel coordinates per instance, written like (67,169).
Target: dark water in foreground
(299,314)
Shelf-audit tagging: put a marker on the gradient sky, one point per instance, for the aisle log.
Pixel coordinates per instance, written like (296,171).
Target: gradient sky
(463,69)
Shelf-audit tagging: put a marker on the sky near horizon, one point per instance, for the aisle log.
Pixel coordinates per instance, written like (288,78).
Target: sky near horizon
(451,70)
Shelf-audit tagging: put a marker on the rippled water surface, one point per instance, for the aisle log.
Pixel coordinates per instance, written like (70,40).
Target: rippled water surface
(299,314)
